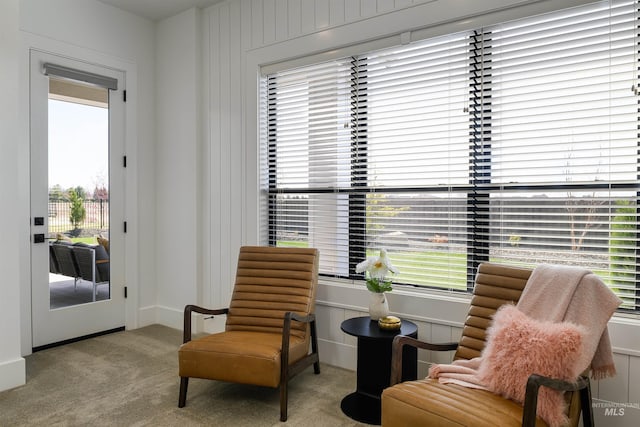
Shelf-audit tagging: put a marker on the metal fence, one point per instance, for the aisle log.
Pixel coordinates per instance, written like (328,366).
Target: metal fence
(97,216)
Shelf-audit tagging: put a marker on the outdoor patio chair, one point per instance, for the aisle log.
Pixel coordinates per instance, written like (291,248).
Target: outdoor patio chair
(53,262)
(92,263)
(269,327)
(65,261)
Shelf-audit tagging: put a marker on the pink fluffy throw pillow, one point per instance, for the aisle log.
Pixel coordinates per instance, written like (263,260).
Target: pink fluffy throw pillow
(518,346)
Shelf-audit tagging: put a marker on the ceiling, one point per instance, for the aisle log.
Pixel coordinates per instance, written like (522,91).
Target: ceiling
(158,9)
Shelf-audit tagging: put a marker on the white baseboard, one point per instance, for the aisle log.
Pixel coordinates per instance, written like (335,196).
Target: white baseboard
(12,374)
(174,318)
(170,317)
(156,314)
(147,316)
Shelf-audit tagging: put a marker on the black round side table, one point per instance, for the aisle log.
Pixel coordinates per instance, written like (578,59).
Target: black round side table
(374,366)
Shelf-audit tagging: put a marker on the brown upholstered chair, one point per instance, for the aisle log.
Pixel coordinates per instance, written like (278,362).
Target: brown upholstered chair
(428,403)
(269,327)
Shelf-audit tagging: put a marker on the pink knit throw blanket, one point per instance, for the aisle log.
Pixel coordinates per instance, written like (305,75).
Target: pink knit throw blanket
(557,293)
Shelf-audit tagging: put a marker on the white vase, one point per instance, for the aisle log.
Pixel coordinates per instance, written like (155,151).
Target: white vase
(378,305)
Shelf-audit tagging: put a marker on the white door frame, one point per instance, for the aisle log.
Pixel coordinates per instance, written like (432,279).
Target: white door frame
(34,42)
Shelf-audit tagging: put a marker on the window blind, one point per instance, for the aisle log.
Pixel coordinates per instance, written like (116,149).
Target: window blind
(515,143)
(564,142)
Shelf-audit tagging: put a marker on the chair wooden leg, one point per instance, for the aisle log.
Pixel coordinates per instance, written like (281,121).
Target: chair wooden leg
(585,402)
(283,401)
(314,348)
(184,383)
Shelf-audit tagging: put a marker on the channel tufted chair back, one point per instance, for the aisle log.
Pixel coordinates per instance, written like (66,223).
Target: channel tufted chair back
(495,286)
(270,324)
(269,283)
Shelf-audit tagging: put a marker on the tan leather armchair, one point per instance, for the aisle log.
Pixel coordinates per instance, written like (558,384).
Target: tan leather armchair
(269,328)
(428,403)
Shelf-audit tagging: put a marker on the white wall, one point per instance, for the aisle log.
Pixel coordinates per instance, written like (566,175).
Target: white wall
(178,184)
(241,36)
(12,365)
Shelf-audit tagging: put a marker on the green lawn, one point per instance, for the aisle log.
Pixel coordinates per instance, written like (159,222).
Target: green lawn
(428,268)
(87,240)
(439,269)
(292,244)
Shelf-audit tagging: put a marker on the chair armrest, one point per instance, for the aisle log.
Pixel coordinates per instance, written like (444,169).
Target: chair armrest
(396,353)
(294,316)
(534,383)
(286,327)
(286,332)
(186,337)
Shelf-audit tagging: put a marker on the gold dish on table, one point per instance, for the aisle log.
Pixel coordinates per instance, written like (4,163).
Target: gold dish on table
(389,323)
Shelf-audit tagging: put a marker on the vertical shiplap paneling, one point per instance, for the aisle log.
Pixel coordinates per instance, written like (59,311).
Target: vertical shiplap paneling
(441,334)
(246,25)
(615,390)
(351,10)
(321,14)
(456,334)
(323,324)
(256,23)
(213,112)
(368,8)
(424,356)
(423,367)
(294,16)
(237,163)
(336,12)
(227,259)
(204,162)
(268,22)
(307,16)
(333,318)
(348,314)
(384,6)
(279,20)
(424,330)
(282,20)
(633,415)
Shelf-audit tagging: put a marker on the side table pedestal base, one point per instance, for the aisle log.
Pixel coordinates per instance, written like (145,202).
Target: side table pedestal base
(362,408)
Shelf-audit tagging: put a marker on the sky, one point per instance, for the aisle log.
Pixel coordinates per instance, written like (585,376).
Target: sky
(78,145)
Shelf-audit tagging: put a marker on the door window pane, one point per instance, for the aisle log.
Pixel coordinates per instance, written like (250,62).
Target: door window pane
(78,168)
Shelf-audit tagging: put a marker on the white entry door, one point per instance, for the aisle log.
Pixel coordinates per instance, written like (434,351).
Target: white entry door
(77,193)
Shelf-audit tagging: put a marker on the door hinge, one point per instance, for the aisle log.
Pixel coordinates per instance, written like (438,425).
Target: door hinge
(125,226)
(124,96)
(125,291)
(124,161)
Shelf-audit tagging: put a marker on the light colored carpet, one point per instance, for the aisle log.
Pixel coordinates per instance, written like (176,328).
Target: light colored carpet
(130,378)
